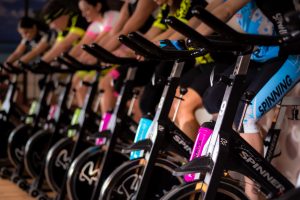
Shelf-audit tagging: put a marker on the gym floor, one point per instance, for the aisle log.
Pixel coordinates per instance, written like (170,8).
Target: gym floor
(9,191)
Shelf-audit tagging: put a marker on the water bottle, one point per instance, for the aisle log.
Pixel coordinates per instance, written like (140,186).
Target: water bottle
(204,133)
(74,121)
(32,111)
(141,134)
(103,127)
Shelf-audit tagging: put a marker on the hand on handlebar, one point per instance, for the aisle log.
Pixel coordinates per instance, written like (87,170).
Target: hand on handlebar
(124,51)
(142,58)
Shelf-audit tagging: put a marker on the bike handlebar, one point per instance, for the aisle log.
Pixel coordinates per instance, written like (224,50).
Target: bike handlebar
(75,64)
(11,68)
(5,68)
(106,56)
(154,51)
(216,44)
(233,35)
(138,49)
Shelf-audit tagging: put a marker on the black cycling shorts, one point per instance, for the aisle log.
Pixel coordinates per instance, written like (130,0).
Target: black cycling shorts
(257,76)
(201,77)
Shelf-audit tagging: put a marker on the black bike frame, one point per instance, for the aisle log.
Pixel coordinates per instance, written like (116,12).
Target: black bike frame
(82,126)
(118,122)
(58,120)
(231,152)
(160,129)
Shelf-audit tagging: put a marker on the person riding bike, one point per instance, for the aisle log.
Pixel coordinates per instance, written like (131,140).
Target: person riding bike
(70,25)
(36,39)
(134,15)
(267,84)
(159,30)
(101,20)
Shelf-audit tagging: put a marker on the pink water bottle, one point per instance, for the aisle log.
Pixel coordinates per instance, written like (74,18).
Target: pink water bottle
(103,126)
(204,133)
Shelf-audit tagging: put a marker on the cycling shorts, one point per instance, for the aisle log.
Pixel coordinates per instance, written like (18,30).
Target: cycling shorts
(269,81)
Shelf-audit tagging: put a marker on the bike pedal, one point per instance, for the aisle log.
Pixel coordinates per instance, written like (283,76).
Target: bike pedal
(140,145)
(201,164)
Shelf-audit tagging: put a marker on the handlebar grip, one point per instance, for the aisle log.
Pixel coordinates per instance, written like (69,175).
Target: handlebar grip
(14,69)
(187,31)
(100,52)
(199,41)
(5,68)
(164,54)
(61,60)
(145,44)
(131,44)
(106,56)
(73,60)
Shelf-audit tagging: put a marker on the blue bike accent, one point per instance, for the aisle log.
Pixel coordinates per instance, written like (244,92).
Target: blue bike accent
(253,21)
(273,91)
(141,134)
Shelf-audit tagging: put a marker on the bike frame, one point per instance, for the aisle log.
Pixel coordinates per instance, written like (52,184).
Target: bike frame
(117,121)
(58,120)
(80,132)
(161,129)
(229,151)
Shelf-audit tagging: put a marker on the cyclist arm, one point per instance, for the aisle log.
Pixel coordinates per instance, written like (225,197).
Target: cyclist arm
(21,48)
(143,11)
(194,22)
(124,16)
(77,50)
(60,47)
(105,38)
(36,51)
(85,57)
(102,36)
(224,12)
(165,35)
(153,32)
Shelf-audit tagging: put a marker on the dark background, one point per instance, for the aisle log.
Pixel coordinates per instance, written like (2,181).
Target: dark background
(10,12)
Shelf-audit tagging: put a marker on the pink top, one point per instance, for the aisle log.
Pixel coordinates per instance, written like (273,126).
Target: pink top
(110,18)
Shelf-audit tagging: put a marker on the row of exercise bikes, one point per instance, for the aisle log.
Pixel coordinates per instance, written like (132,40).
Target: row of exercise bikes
(57,152)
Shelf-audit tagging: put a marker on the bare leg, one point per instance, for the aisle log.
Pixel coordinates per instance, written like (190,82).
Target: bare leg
(81,90)
(75,84)
(108,99)
(185,118)
(137,113)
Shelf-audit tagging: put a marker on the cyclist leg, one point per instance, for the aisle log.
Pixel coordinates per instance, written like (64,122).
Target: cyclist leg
(277,77)
(76,85)
(196,81)
(213,99)
(81,89)
(154,86)
(109,96)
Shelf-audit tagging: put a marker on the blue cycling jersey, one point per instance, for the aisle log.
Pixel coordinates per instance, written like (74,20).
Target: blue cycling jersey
(253,21)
